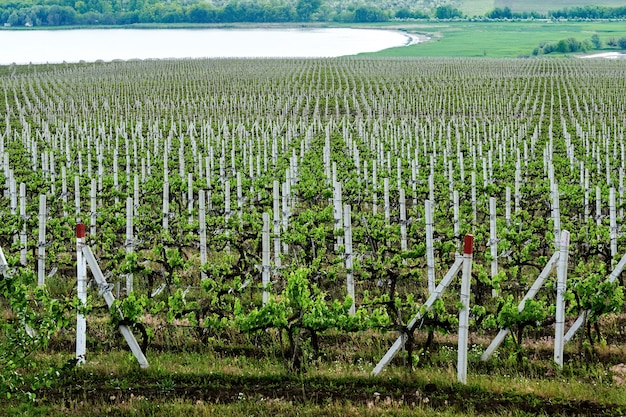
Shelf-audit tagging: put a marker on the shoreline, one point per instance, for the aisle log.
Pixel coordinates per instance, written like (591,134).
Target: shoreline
(415,38)
(604,55)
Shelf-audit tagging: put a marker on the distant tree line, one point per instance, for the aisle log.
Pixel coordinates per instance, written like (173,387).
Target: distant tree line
(563,46)
(590,12)
(124,12)
(573,45)
(574,13)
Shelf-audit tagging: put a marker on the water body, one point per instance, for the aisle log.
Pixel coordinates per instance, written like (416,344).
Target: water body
(54,46)
(606,55)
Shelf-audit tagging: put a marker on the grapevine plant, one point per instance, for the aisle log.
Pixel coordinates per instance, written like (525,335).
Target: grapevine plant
(302,313)
(31,319)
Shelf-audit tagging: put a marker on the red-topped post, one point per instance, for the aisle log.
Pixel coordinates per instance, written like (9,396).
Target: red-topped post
(80,230)
(468,245)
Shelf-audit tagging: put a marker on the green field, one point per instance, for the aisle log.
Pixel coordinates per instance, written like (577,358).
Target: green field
(545,6)
(476,7)
(496,39)
(480,7)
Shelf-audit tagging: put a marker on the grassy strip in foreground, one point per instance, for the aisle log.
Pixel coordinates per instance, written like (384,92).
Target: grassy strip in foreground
(194,384)
(496,39)
(140,407)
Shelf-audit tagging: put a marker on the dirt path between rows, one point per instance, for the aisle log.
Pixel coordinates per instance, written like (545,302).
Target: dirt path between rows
(229,389)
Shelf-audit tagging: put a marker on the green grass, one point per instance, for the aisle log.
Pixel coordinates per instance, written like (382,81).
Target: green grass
(476,7)
(246,407)
(496,39)
(207,384)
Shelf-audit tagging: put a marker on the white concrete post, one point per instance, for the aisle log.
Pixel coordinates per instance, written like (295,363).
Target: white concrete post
(41,253)
(64,189)
(265,267)
(77,194)
(347,220)
(130,240)
(403,235)
(455,214)
(386,200)
(560,298)
(337,212)
(277,223)
(613,222)
(166,206)
(93,214)
(81,279)
(190,198)
(468,249)
(24,217)
(202,231)
(493,239)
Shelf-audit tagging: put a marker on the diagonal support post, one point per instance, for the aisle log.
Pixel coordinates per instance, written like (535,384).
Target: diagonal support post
(436,294)
(583,316)
(105,290)
(557,262)
(497,341)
